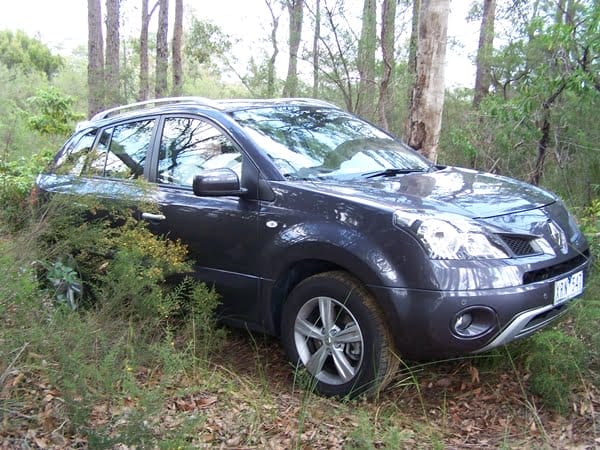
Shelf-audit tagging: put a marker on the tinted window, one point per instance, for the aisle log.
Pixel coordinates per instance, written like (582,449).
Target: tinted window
(97,156)
(189,146)
(73,159)
(127,150)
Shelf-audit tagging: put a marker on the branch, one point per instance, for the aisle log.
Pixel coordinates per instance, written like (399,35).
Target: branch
(4,375)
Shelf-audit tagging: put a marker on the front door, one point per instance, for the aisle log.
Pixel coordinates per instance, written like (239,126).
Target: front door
(221,232)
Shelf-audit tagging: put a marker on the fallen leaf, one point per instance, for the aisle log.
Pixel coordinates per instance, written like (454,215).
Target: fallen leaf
(204,402)
(474,374)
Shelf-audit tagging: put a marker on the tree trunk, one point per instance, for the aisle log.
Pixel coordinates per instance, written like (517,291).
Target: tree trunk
(561,15)
(144,85)
(162,49)
(176,49)
(367,45)
(273,58)
(427,99)
(295,9)
(95,58)
(111,60)
(317,36)
(414,39)
(542,147)
(412,49)
(388,28)
(484,52)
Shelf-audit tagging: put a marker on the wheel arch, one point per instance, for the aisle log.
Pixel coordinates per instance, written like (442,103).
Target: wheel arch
(295,271)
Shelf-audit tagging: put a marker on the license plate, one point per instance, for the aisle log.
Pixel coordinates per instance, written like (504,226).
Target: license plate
(567,288)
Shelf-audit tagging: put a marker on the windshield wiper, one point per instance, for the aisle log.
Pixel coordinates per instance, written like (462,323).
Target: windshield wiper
(391,172)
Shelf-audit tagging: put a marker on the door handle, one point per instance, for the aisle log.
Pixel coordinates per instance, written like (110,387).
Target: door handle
(153,217)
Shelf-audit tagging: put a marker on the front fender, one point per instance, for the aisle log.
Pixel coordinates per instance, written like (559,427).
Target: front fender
(343,247)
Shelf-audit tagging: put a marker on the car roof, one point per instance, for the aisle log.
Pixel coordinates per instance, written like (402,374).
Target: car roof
(191,104)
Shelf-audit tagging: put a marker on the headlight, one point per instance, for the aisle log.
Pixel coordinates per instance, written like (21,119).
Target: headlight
(450,237)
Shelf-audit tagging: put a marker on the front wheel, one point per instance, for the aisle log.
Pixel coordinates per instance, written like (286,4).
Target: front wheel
(332,327)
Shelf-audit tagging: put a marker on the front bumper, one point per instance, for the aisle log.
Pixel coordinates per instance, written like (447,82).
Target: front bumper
(421,321)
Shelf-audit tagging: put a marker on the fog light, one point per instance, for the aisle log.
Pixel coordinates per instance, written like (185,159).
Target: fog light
(473,322)
(463,321)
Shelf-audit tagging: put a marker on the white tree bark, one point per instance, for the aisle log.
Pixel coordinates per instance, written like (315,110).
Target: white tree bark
(427,98)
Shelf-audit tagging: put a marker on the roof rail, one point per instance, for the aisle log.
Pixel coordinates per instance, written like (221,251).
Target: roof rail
(312,101)
(154,102)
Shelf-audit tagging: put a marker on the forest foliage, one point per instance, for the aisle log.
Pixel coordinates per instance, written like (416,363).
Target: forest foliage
(535,121)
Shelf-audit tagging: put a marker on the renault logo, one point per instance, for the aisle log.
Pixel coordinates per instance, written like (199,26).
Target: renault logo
(558,236)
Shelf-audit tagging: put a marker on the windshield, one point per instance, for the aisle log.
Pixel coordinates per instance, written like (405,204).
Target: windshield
(317,143)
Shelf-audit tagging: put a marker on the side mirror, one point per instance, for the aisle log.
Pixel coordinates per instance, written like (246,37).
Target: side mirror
(216,183)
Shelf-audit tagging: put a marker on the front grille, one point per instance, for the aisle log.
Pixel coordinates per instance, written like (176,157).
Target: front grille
(558,269)
(520,246)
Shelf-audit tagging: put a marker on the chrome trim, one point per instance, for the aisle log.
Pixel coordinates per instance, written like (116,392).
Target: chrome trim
(516,327)
(154,102)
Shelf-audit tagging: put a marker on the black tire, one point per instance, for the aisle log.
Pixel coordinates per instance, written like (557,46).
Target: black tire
(351,355)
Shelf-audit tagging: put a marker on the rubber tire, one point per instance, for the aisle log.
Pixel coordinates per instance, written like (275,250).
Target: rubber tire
(379,362)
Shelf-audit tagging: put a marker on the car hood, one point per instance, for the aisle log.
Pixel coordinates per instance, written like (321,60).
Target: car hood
(453,190)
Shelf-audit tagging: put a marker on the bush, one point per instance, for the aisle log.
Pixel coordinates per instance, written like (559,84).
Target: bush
(555,362)
(144,327)
(16,181)
(127,272)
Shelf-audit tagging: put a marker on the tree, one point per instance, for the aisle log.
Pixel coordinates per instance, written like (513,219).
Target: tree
(162,49)
(95,58)
(176,49)
(367,45)
(54,110)
(275,15)
(206,43)
(111,68)
(484,52)
(295,10)
(388,28)
(538,121)
(427,99)
(144,66)
(414,39)
(17,50)
(315,49)
(337,55)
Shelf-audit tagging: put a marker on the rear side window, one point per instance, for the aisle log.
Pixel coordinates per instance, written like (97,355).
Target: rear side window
(119,152)
(97,155)
(73,160)
(129,145)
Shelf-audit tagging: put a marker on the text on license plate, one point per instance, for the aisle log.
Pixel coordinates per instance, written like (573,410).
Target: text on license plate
(567,288)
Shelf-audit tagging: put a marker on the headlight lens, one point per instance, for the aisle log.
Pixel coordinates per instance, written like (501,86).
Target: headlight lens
(450,237)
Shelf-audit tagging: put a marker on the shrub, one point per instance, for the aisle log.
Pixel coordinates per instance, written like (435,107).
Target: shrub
(555,362)
(16,181)
(127,272)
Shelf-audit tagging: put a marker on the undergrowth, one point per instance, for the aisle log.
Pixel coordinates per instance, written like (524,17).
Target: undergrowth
(139,326)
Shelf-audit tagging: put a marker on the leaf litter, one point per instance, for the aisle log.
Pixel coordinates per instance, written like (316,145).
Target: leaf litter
(455,403)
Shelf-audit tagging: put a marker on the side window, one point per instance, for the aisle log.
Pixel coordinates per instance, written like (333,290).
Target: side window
(73,159)
(127,149)
(94,164)
(189,146)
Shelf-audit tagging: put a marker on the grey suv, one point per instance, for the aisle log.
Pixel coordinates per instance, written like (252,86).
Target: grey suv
(320,228)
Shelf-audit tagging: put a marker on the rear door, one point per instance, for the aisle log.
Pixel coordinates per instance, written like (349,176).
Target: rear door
(106,162)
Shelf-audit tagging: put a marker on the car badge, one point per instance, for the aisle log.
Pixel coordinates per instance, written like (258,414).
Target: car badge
(558,236)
